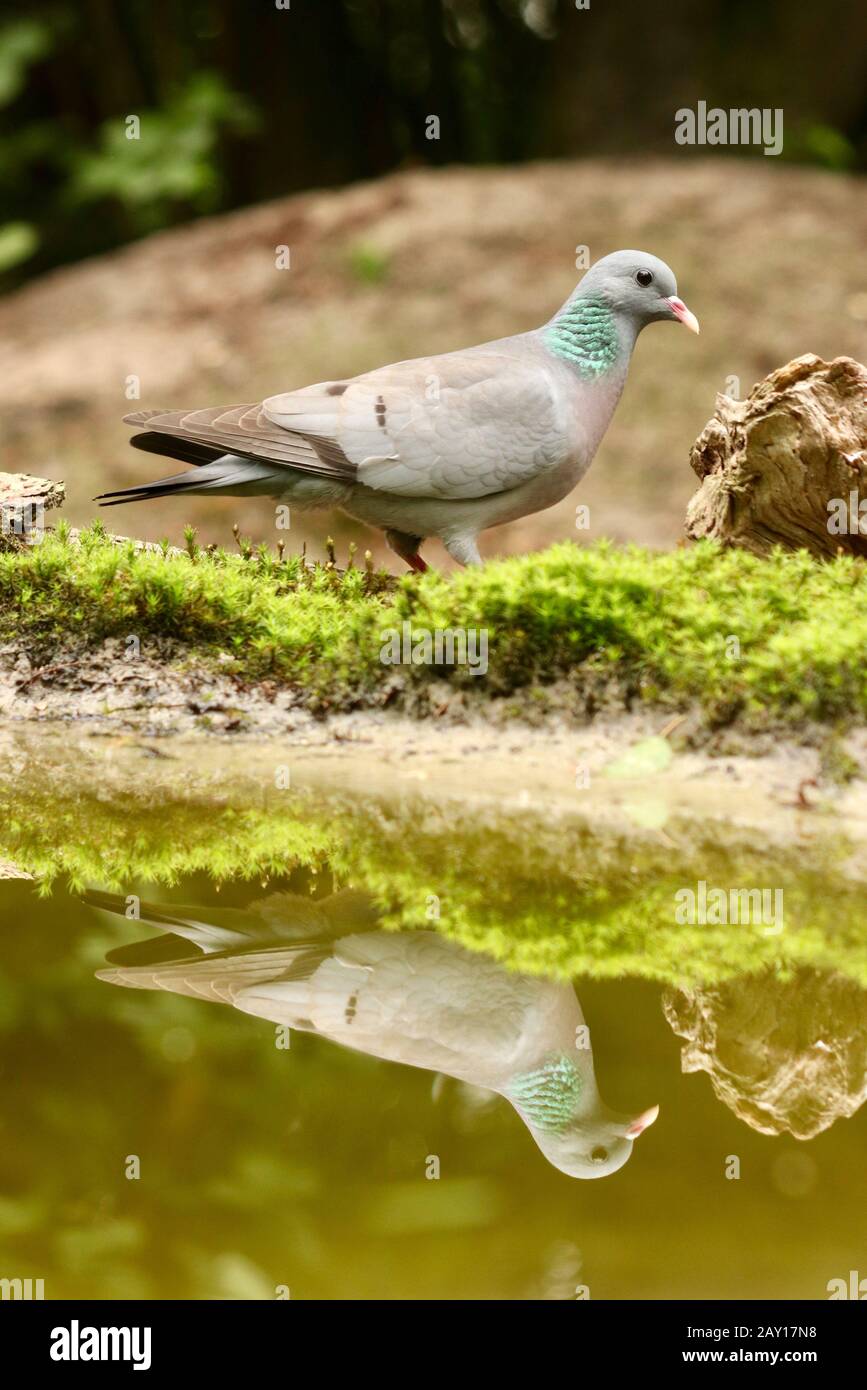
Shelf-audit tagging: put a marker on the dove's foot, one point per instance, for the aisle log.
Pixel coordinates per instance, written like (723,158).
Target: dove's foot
(407,548)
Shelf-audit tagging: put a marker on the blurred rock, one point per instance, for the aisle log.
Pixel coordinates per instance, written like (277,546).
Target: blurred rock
(771,465)
(787,1056)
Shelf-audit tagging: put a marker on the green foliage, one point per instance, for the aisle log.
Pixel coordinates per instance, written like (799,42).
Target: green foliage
(18,242)
(501,75)
(171,159)
(660,624)
(88,844)
(819,143)
(23,42)
(657,628)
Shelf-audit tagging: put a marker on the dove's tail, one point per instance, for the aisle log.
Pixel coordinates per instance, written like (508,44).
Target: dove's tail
(183,922)
(215,472)
(225,961)
(285,935)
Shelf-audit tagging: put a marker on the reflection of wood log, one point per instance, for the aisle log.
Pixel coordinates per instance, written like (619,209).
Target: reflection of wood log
(787,1056)
(771,465)
(10,870)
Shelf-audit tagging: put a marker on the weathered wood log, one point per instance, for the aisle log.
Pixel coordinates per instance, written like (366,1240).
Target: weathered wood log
(23,500)
(25,489)
(788,465)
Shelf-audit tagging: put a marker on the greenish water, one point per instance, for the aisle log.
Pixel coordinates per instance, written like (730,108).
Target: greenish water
(308,1167)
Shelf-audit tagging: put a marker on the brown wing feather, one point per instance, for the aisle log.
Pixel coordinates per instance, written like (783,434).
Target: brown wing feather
(246,430)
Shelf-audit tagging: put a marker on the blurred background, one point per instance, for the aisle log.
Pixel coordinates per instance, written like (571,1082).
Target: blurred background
(432,166)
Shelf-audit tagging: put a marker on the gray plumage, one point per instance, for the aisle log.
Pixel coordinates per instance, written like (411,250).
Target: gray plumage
(411,997)
(441,446)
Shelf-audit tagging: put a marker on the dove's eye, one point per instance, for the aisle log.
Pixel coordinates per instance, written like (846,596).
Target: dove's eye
(644,277)
(599,1155)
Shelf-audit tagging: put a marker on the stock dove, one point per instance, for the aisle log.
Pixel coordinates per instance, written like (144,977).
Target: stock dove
(440,446)
(411,997)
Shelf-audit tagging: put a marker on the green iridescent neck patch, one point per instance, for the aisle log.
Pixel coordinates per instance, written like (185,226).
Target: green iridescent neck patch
(585,335)
(549,1096)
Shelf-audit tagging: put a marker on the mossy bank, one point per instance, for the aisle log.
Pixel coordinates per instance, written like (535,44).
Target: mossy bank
(754,642)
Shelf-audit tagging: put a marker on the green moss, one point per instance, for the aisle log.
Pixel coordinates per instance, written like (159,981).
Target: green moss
(541,897)
(758,639)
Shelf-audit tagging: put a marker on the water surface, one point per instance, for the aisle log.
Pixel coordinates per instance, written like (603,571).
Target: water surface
(265,1169)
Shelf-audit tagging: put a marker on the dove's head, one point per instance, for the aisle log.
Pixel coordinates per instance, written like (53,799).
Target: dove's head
(637,286)
(594,1145)
(560,1105)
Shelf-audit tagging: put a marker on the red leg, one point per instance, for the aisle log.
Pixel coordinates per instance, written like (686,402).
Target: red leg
(407,548)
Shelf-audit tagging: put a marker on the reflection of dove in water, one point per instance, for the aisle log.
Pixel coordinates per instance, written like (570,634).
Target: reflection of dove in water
(410,997)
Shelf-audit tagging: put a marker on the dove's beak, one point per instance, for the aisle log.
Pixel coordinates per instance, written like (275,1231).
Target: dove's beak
(687,317)
(638,1126)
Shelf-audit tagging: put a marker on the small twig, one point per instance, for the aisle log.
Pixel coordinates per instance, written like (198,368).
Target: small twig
(44,671)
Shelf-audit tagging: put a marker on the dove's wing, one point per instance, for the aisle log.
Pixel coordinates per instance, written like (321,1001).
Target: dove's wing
(462,425)
(219,977)
(416,998)
(244,431)
(410,997)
